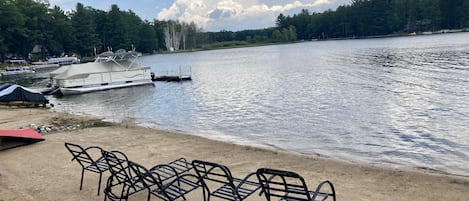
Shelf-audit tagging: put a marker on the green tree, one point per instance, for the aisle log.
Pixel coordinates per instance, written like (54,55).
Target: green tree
(84,31)
(465,17)
(148,40)
(292,33)
(34,27)
(61,32)
(12,31)
(277,36)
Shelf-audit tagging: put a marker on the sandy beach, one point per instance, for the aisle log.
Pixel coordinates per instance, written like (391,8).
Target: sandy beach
(44,171)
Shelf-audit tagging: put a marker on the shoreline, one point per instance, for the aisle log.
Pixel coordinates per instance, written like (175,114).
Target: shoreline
(32,173)
(399,166)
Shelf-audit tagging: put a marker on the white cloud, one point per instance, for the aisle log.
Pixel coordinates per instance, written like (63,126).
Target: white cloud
(215,15)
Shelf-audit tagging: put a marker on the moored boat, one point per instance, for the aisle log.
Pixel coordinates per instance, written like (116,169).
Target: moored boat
(110,70)
(64,60)
(15,71)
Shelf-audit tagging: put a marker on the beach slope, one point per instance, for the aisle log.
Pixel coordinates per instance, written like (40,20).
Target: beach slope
(44,171)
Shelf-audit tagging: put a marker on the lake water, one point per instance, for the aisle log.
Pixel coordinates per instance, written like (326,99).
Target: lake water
(401,102)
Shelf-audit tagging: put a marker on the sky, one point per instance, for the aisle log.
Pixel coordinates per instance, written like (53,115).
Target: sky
(211,15)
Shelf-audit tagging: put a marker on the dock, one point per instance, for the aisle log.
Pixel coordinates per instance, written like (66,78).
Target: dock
(172,77)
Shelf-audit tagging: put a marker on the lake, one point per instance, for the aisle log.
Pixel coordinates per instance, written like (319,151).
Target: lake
(396,102)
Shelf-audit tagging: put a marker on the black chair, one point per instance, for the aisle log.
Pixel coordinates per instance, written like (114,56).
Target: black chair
(219,177)
(290,186)
(89,159)
(124,181)
(163,184)
(128,177)
(172,169)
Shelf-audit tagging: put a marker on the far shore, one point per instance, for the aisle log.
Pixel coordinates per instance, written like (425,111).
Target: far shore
(44,171)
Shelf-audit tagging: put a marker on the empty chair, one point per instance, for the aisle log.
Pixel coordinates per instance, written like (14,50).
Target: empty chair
(164,187)
(90,159)
(290,186)
(174,168)
(124,181)
(218,177)
(128,178)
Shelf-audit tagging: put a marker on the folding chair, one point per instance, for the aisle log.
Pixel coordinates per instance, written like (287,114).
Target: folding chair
(84,157)
(290,186)
(226,186)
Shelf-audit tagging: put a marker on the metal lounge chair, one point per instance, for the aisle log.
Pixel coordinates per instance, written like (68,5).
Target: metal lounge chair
(124,181)
(290,186)
(163,186)
(219,177)
(128,177)
(89,160)
(174,168)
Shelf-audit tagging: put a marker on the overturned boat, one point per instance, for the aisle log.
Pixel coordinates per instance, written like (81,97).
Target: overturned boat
(18,137)
(109,71)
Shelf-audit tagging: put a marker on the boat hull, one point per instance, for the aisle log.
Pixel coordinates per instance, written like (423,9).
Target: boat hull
(81,90)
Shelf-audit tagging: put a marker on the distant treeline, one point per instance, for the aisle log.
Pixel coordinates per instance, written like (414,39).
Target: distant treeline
(85,31)
(31,29)
(25,24)
(379,17)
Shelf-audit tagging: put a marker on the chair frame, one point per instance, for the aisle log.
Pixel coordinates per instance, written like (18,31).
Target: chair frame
(168,188)
(122,175)
(87,162)
(230,188)
(277,183)
(132,177)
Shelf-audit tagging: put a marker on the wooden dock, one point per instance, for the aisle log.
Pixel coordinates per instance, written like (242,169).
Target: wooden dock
(172,77)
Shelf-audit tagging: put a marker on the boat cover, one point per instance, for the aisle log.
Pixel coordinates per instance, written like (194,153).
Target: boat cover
(83,70)
(18,137)
(15,93)
(4,86)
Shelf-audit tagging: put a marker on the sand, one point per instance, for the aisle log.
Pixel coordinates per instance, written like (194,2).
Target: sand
(44,171)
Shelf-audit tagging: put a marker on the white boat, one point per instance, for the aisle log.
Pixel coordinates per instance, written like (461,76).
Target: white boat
(42,65)
(110,70)
(17,71)
(63,60)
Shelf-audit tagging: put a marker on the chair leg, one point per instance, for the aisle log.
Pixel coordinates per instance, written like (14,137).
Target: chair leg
(81,181)
(149,194)
(99,184)
(204,194)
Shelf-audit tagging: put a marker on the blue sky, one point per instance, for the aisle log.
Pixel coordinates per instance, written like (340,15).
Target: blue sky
(211,15)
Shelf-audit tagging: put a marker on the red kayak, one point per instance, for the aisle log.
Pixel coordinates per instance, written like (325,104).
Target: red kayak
(18,137)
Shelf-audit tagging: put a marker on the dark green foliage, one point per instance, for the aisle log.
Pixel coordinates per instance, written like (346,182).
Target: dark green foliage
(379,17)
(86,31)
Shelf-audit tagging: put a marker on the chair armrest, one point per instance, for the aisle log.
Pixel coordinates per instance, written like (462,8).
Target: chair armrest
(247,181)
(164,169)
(318,190)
